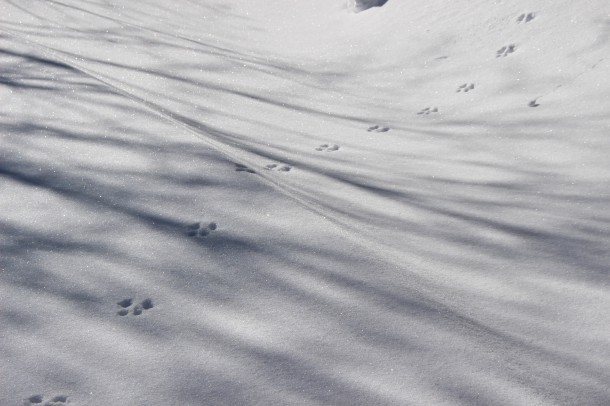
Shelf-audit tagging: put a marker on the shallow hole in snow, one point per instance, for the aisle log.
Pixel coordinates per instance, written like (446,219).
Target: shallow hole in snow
(361,5)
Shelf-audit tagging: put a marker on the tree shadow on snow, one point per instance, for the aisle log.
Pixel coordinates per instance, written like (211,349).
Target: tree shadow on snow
(89,183)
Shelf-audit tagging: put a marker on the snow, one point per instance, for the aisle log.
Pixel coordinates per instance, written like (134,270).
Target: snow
(314,206)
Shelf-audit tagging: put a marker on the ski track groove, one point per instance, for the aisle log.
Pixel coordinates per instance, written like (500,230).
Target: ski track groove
(421,289)
(214,50)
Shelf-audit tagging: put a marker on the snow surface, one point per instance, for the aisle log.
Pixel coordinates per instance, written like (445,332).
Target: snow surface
(409,205)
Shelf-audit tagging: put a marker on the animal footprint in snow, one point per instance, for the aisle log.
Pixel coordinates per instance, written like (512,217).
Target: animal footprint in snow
(39,399)
(466,88)
(126,306)
(243,168)
(278,167)
(198,230)
(526,18)
(328,147)
(505,50)
(428,110)
(33,400)
(378,129)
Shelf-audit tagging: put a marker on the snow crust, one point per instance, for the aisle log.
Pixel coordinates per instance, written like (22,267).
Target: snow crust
(288,203)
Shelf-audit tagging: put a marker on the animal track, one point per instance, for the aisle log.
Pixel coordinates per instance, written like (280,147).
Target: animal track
(35,399)
(378,129)
(126,306)
(533,103)
(38,399)
(197,230)
(526,18)
(243,168)
(466,88)
(328,147)
(505,50)
(278,167)
(428,110)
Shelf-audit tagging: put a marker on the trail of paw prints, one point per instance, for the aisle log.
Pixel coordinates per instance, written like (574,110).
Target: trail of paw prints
(466,87)
(126,306)
(505,50)
(378,129)
(525,18)
(428,110)
(243,168)
(278,167)
(40,400)
(328,147)
(198,230)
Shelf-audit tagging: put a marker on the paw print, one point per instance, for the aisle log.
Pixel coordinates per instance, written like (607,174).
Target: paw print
(278,167)
(428,110)
(465,88)
(126,306)
(198,230)
(39,399)
(378,129)
(505,50)
(328,147)
(243,168)
(526,18)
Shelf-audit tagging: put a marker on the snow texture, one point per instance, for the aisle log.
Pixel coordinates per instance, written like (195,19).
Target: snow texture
(285,202)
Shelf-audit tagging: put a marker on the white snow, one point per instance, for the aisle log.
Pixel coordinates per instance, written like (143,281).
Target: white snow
(382,236)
